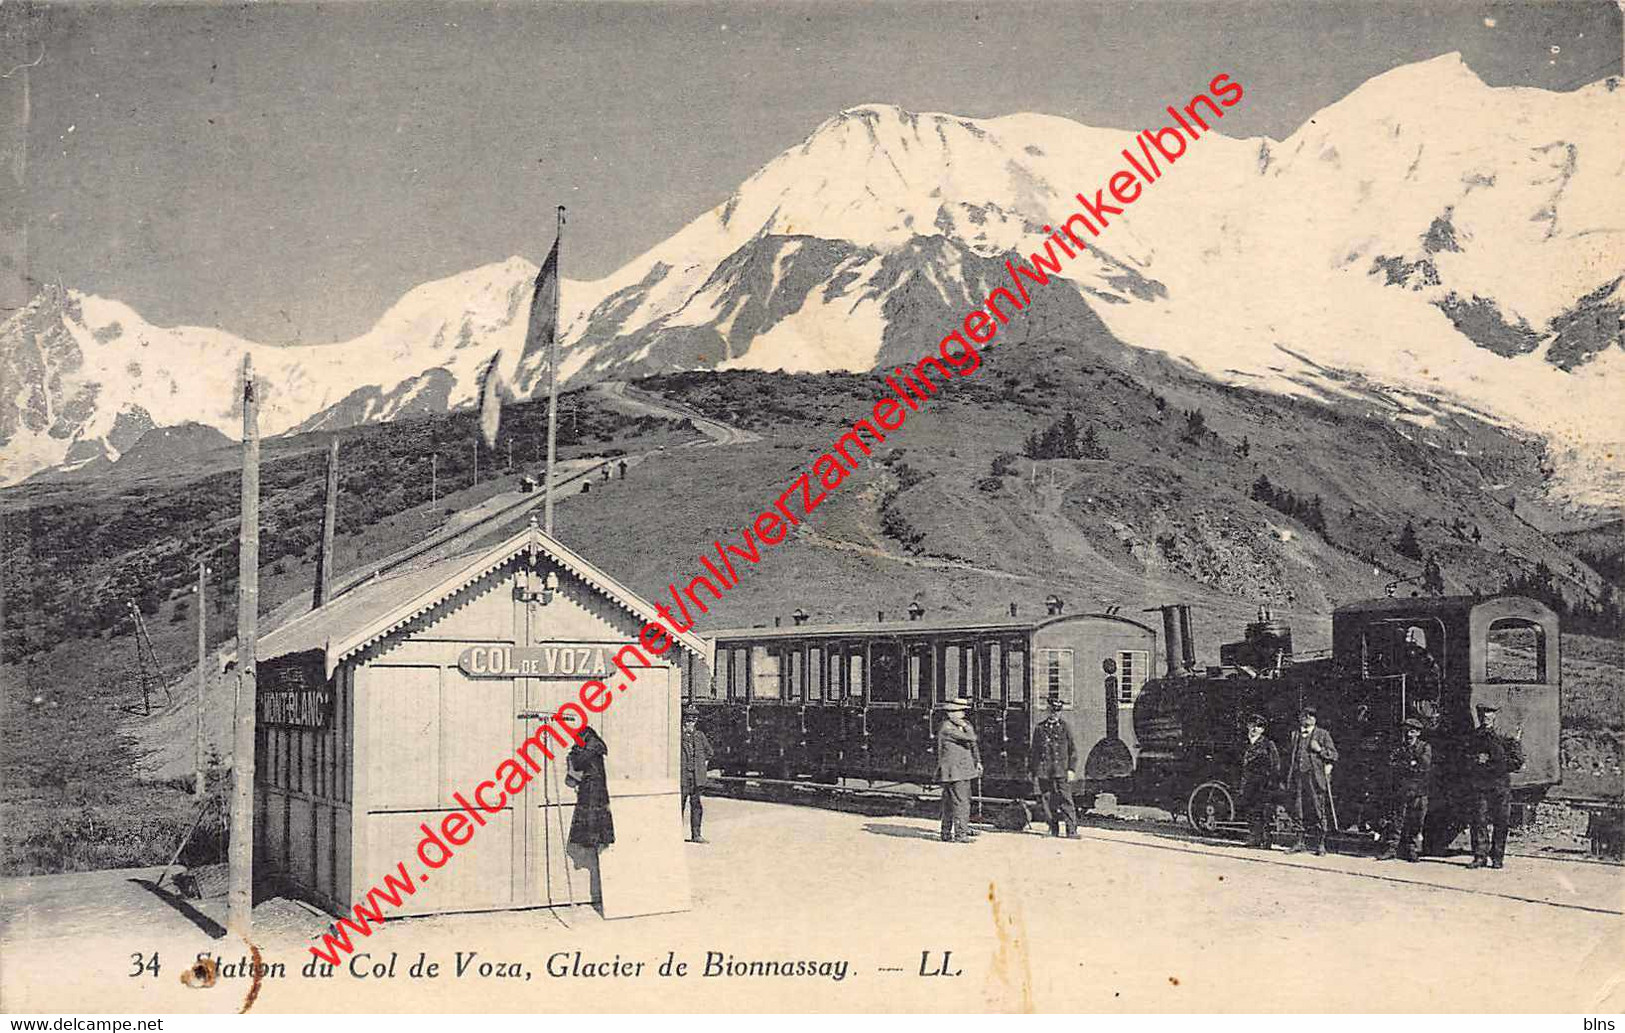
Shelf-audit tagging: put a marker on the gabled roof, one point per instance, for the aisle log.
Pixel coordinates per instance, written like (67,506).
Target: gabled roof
(373,611)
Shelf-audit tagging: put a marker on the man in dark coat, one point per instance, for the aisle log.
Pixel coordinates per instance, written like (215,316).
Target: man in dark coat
(591,825)
(959,760)
(1409,764)
(1309,780)
(1053,760)
(1491,760)
(1260,774)
(695,768)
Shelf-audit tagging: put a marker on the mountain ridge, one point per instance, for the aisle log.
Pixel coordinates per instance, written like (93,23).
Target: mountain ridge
(1482,275)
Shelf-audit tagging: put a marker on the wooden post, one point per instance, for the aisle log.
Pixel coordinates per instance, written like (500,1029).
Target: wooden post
(553,385)
(240,914)
(324,560)
(476,458)
(199,784)
(510,454)
(434,478)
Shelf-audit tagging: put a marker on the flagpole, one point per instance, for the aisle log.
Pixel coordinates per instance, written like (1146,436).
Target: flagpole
(553,384)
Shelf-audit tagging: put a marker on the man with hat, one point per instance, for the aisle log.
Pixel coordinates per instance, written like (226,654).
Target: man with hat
(694,768)
(1409,764)
(1052,761)
(959,760)
(1309,779)
(1491,760)
(1260,772)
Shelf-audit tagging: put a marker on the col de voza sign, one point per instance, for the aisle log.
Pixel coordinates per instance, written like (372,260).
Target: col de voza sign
(532,661)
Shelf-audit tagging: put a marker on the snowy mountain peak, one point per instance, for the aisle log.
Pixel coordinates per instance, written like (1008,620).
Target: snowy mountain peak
(1454,244)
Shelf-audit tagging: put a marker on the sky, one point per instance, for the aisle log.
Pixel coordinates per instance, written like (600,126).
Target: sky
(287,171)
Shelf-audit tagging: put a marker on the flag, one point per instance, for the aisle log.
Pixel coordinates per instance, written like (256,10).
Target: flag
(544,321)
(490,400)
(544,303)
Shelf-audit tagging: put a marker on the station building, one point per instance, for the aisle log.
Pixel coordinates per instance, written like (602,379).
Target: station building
(382,711)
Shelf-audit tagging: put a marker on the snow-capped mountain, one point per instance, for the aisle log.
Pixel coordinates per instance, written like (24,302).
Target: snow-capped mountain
(1457,245)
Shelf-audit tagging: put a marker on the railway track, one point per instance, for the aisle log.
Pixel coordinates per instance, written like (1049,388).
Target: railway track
(889,799)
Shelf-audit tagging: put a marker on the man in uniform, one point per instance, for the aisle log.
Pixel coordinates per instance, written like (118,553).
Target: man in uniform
(1309,780)
(1408,764)
(694,768)
(1053,760)
(1491,760)
(1260,773)
(959,760)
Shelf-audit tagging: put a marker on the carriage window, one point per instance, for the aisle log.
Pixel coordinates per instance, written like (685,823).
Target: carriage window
(738,669)
(766,682)
(955,661)
(991,684)
(796,673)
(1515,652)
(919,672)
(1132,667)
(855,680)
(1015,674)
(815,674)
(1056,667)
(886,675)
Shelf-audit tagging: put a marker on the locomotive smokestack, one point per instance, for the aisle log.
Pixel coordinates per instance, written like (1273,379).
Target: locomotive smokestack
(1187,638)
(1170,638)
(1053,605)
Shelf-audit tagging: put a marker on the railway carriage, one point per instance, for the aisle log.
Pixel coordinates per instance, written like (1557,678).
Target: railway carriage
(826,702)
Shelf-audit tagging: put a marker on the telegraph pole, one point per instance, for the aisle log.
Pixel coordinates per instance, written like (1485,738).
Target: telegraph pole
(324,562)
(434,478)
(240,914)
(510,454)
(199,784)
(476,460)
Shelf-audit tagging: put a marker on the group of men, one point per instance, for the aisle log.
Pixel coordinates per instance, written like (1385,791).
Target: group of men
(1052,764)
(1305,780)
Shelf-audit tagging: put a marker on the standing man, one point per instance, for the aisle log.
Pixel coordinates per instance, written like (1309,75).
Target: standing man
(1053,760)
(1309,780)
(1260,774)
(1491,760)
(959,760)
(1409,764)
(695,767)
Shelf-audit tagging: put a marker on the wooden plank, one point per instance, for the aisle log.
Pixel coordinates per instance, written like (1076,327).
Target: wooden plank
(645,872)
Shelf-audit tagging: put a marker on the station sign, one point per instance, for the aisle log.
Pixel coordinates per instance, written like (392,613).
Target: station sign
(534,661)
(293,691)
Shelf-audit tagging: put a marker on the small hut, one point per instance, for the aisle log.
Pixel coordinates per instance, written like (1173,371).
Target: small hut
(383,712)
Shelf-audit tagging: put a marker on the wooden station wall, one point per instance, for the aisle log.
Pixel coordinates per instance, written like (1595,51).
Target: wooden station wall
(411,729)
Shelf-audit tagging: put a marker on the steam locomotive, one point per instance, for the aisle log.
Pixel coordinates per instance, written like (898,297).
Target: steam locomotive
(823,703)
(1435,659)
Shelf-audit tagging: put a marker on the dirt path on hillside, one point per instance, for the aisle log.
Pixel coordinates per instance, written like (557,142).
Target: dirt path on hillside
(630,399)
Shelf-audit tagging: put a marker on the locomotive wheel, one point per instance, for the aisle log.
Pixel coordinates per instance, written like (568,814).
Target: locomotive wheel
(1210,804)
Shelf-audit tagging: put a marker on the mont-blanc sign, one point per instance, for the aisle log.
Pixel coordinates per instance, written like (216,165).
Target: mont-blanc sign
(532,661)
